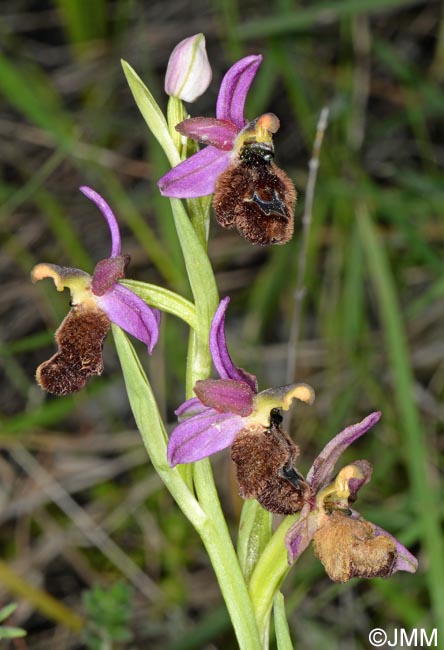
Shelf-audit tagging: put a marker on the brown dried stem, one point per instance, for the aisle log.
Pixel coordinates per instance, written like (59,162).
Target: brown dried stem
(313,166)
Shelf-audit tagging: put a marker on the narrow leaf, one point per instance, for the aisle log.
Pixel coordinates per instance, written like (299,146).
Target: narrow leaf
(6,611)
(424,497)
(150,425)
(254,535)
(283,639)
(165,300)
(151,113)
(11,632)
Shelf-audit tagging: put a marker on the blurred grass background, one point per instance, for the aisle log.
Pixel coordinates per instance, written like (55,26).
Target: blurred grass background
(80,505)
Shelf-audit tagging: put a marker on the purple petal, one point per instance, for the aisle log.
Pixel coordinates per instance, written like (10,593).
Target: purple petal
(321,471)
(405,561)
(109,216)
(226,395)
(219,351)
(195,176)
(202,435)
(355,484)
(107,273)
(234,89)
(191,407)
(124,308)
(209,130)
(301,533)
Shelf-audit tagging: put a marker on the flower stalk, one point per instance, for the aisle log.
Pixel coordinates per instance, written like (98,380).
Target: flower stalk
(212,526)
(252,194)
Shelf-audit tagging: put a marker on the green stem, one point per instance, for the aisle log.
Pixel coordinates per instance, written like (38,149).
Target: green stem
(215,536)
(198,208)
(203,286)
(224,560)
(192,232)
(205,515)
(268,575)
(176,113)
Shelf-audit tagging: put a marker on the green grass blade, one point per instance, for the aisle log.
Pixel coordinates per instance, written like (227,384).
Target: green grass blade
(302,18)
(62,227)
(156,250)
(29,90)
(424,497)
(83,20)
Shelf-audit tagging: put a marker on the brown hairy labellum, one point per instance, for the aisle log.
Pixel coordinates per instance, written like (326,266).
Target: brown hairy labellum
(265,471)
(349,548)
(80,340)
(256,197)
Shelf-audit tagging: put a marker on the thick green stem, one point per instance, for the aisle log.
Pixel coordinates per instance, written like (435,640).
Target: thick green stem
(215,536)
(269,574)
(192,231)
(205,515)
(224,560)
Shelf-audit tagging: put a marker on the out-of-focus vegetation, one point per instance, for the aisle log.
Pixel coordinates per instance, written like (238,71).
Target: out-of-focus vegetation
(80,505)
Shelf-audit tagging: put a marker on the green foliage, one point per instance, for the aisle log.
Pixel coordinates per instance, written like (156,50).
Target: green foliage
(108,612)
(371,330)
(7,632)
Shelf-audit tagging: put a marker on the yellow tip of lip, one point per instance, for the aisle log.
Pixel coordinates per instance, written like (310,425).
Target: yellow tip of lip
(43,271)
(77,281)
(302,392)
(268,122)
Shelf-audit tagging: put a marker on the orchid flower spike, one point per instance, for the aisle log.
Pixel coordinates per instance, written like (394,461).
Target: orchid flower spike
(250,192)
(230,411)
(347,545)
(96,301)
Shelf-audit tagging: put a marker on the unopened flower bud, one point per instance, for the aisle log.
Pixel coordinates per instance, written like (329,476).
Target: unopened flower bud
(188,73)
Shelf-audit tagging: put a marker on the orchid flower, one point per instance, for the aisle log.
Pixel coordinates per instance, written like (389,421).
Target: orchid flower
(251,192)
(347,545)
(96,301)
(231,412)
(188,73)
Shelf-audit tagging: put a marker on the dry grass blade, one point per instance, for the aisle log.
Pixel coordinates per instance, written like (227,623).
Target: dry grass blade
(85,523)
(306,222)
